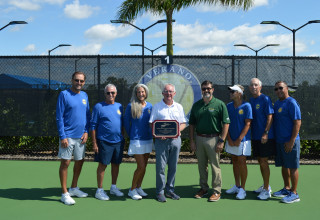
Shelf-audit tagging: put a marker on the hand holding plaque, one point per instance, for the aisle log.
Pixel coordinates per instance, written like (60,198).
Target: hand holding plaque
(165,129)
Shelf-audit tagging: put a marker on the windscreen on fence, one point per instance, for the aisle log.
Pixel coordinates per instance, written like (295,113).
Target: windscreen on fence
(30,85)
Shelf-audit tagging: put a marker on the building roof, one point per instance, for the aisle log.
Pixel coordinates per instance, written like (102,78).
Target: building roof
(9,81)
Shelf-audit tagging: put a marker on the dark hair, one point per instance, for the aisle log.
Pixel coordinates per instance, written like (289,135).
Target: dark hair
(78,72)
(207,82)
(281,81)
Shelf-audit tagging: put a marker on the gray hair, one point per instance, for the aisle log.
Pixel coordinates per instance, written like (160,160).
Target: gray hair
(109,86)
(260,83)
(169,84)
(136,105)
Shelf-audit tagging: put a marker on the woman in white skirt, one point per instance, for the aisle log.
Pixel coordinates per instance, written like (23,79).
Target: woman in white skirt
(239,139)
(136,123)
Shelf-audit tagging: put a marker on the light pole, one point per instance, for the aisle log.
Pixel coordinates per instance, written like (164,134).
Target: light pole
(140,45)
(142,32)
(244,45)
(13,23)
(225,71)
(49,52)
(294,42)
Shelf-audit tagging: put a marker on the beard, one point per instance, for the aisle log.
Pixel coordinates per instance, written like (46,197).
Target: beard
(206,95)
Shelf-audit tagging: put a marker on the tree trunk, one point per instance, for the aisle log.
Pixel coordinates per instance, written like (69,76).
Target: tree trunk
(169,33)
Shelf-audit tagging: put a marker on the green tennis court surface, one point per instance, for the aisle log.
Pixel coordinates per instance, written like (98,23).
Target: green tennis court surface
(31,190)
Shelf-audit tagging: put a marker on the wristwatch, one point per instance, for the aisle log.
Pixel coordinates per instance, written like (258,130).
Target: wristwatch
(220,140)
(266,132)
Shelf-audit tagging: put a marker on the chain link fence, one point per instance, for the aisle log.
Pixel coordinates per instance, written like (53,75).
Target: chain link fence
(30,85)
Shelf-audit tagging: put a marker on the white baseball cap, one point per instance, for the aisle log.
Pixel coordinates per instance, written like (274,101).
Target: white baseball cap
(235,88)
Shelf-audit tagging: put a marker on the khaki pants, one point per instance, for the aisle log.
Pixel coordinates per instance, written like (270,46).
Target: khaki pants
(206,153)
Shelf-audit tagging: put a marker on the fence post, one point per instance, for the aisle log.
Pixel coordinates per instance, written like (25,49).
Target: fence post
(98,69)
(232,64)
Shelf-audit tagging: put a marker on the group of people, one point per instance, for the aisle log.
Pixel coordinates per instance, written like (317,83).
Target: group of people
(270,130)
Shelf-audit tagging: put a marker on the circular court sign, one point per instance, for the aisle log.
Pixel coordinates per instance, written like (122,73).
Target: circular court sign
(187,85)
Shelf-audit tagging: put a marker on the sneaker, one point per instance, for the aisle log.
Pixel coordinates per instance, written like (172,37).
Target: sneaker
(101,195)
(66,199)
(172,195)
(134,194)
(141,192)
(116,191)
(77,192)
(291,198)
(264,194)
(241,194)
(233,190)
(281,193)
(161,198)
(259,190)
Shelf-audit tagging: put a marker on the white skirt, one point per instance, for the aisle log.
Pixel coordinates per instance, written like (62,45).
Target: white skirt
(244,149)
(140,147)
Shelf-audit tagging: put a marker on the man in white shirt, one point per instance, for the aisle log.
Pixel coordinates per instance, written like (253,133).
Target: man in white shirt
(167,149)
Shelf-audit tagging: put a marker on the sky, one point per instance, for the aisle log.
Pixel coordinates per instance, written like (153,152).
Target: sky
(199,30)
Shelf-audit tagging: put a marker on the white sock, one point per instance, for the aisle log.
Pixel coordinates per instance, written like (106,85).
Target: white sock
(113,186)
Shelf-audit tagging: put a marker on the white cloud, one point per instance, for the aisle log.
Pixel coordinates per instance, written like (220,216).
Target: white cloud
(105,32)
(220,8)
(201,39)
(25,4)
(77,11)
(89,49)
(30,48)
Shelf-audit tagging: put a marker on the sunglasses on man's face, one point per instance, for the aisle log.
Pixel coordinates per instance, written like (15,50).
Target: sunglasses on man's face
(232,91)
(79,80)
(206,88)
(108,93)
(278,88)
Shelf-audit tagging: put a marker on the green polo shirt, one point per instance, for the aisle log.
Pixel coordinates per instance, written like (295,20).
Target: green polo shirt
(209,118)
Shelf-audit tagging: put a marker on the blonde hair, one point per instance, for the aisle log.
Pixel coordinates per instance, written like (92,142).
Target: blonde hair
(136,105)
(242,88)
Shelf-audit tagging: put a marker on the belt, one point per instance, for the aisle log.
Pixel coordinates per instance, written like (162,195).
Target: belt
(208,135)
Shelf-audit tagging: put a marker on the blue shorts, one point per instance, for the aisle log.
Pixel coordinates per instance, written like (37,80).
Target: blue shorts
(109,152)
(288,160)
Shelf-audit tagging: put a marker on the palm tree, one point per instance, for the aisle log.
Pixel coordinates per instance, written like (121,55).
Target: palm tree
(131,9)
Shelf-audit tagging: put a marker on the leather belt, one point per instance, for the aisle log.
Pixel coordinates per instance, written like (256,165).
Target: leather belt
(208,135)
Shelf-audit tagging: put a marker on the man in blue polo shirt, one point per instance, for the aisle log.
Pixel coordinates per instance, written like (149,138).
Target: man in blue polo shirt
(107,137)
(73,117)
(263,143)
(287,122)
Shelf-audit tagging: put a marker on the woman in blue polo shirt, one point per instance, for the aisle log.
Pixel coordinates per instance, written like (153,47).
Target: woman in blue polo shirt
(136,123)
(239,139)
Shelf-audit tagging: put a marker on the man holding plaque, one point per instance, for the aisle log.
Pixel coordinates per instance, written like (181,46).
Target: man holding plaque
(167,149)
(209,118)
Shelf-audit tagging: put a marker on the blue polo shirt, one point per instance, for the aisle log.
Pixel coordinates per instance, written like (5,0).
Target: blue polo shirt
(261,108)
(285,113)
(138,128)
(72,114)
(107,120)
(237,120)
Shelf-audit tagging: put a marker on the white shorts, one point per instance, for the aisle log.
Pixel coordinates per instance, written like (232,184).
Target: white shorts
(244,149)
(140,147)
(75,147)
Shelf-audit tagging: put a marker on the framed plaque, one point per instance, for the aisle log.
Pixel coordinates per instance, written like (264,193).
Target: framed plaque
(165,128)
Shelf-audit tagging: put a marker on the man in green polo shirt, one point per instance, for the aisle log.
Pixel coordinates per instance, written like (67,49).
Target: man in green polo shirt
(210,120)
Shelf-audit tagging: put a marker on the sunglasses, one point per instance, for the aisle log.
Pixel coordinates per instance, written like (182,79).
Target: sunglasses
(78,80)
(280,88)
(108,93)
(205,89)
(232,91)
